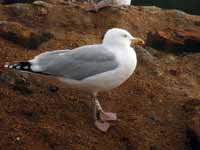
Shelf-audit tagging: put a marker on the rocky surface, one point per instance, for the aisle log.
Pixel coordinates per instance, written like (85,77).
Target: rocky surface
(176,39)
(158,106)
(192,109)
(22,35)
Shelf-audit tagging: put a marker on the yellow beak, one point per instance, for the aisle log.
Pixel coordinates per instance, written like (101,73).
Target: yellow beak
(138,41)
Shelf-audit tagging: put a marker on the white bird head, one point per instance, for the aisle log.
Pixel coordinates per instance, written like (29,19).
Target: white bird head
(117,36)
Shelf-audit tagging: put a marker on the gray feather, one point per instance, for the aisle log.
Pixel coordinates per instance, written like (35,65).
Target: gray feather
(79,63)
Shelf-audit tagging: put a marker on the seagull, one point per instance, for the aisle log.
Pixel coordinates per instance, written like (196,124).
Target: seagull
(109,3)
(94,68)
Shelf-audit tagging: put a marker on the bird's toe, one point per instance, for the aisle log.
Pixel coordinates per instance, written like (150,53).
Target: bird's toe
(102,126)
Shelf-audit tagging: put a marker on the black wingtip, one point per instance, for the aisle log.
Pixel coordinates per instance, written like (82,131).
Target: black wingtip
(24,66)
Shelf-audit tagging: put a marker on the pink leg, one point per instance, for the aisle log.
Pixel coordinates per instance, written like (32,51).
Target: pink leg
(102,117)
(108,116)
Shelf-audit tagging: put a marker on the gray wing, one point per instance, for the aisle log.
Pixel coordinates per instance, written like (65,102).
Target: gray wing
(49,54)
(79,63)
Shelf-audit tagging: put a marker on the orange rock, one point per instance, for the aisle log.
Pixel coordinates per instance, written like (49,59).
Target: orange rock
(181,39)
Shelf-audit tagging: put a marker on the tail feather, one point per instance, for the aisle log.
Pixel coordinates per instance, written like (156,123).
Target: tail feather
(23,66)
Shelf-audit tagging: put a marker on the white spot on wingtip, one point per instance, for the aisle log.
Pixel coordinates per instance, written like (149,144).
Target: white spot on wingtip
(26,67)
(6,65)
(18,67)
(10,66)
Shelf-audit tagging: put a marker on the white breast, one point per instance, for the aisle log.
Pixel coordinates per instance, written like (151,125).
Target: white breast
(128,64)
(112,79)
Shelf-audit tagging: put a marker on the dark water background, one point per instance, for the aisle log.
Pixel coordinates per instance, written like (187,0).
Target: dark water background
(189,6)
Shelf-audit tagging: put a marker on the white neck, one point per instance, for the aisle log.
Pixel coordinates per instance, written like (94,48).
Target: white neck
(110,43)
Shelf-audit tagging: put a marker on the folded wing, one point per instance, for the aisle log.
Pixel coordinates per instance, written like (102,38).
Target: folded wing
(76,64)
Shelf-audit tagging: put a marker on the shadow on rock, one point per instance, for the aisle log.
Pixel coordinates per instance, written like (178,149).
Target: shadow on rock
(177,40)
(23,36)
(15,1)
(192,109)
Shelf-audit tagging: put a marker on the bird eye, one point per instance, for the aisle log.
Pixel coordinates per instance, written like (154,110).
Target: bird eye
(125,35)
